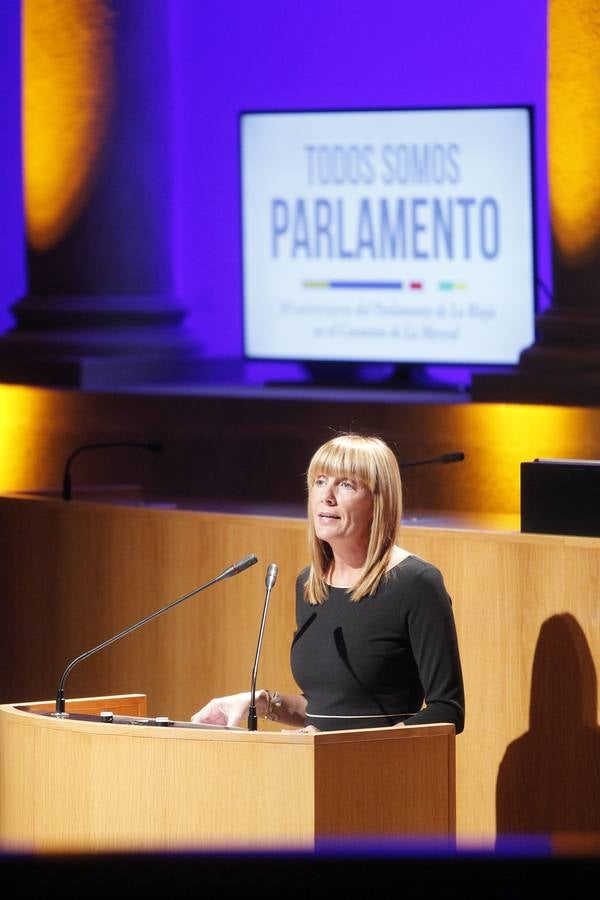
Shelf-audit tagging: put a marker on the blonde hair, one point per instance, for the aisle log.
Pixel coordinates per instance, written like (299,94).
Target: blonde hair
(370,461)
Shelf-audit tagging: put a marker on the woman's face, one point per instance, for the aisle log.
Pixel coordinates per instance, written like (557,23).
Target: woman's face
(342,510)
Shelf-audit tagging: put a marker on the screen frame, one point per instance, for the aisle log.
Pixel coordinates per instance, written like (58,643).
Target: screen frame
(346,363)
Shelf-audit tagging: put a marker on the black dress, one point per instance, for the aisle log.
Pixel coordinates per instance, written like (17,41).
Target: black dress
(374,662)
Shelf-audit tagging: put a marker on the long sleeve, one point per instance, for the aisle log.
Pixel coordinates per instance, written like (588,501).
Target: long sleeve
(434,643)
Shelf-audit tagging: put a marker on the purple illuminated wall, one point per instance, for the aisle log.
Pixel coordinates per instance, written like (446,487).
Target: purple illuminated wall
(12,247)
(313,54)
(238,55)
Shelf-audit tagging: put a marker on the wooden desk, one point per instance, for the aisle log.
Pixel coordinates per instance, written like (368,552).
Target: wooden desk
(81,784)
(526,609)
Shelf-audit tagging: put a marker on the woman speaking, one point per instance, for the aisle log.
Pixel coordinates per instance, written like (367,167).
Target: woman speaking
(375,642)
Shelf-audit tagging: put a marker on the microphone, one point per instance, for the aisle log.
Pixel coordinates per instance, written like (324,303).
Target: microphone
(154,446)
(244,563)
(270,579)
(444,458)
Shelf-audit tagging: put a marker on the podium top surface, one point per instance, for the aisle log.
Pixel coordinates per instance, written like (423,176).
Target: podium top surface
(85,719)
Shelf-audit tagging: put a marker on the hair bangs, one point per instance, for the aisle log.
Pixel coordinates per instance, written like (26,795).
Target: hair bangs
(349,457)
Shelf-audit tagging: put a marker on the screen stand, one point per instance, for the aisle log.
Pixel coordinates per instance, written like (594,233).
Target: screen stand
(371,376)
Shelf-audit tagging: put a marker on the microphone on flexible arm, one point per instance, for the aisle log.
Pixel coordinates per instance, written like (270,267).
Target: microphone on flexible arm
(457,456)
(270,579)
(234,569)
(154,446)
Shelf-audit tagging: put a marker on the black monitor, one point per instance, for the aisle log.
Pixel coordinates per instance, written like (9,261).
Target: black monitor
(401,236)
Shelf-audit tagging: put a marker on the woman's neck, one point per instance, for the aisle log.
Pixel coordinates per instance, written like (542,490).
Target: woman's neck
(346,566)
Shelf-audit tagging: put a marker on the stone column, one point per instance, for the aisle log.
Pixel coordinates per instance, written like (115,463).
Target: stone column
(563,365)
(100,308)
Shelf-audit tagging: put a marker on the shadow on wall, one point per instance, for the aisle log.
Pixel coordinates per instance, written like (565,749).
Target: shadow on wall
(549,778)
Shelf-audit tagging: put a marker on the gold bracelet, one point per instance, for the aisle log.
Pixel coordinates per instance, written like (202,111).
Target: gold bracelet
(274,704)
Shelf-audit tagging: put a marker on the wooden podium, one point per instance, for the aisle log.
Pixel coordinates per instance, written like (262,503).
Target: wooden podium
(81,784)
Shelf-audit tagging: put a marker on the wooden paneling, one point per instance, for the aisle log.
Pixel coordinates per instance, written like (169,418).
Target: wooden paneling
(75,785)
(422,804)
(526,609)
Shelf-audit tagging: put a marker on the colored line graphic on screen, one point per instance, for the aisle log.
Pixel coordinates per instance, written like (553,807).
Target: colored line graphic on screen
(355,285)
(365,285)
(452,286)
(381,285)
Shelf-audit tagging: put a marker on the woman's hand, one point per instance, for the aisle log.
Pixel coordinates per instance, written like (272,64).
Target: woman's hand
(231,711)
